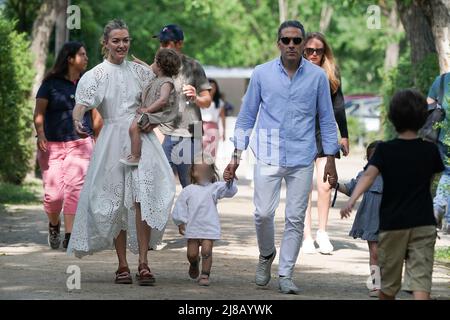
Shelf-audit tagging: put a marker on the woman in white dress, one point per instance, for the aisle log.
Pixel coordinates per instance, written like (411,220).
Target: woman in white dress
(119,202)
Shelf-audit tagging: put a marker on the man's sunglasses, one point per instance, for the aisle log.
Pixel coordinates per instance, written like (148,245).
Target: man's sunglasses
(286,40)
(318,51)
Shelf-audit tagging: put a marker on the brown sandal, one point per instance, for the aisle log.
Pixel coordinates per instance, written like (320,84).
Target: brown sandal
(144,276)
(123,276)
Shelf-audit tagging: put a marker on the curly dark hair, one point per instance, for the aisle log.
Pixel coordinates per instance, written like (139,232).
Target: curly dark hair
(168,61)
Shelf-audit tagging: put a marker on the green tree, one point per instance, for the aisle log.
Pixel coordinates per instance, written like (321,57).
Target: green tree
(15,108)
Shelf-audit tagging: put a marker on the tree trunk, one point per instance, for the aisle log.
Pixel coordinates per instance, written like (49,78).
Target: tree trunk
(440,17)
(61,31)
(392,51)
(418,28)
(325,17)
(42,30)
(282,7)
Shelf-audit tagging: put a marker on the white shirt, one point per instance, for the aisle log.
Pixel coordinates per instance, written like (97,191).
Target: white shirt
(196,206)
(212,114)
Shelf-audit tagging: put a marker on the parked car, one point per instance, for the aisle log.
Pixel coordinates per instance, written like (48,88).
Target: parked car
(367,108)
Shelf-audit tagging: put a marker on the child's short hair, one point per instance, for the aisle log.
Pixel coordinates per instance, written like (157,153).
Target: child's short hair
(408,110)
(206,159)
(169,61)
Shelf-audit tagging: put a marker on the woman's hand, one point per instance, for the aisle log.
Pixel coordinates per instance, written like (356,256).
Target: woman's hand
(79,129)
(140,110)
(345,212)
(182,229)
(42,143)
(139,61)
(345,146)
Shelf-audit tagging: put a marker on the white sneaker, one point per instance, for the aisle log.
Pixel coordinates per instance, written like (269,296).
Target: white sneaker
(263,270)
(325,246)
(129,163)
(287,286)
(308,246)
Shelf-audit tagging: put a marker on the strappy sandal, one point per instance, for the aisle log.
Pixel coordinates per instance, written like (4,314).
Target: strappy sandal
(144,276)
(194,270)
(123,276)
(203,280)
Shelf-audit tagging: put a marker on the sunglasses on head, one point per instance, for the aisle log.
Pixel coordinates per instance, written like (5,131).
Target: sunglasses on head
(318,51)
(287,40)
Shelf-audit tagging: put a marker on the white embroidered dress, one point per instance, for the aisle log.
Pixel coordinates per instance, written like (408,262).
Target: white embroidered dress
(110,189)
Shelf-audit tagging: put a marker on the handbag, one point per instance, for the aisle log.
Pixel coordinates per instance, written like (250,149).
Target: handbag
(436,114)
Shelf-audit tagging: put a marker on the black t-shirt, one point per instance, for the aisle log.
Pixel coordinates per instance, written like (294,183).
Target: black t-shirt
(407,167)
(58,123)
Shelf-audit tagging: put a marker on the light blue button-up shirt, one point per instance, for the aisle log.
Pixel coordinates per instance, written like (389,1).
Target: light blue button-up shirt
(284,111)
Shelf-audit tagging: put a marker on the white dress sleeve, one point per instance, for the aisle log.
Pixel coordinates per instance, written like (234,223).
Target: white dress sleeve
(143,74)
(180,210)
(221,190)
(91,88)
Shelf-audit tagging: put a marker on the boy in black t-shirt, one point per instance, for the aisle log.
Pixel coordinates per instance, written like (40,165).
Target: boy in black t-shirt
(407,224)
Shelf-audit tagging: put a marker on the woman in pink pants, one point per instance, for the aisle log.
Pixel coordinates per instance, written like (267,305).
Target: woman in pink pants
(63,157)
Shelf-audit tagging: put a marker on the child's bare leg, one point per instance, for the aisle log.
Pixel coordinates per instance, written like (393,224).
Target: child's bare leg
(373,245)
(193,257)
(374,269)
(135,137)
(207,246)
(421,295)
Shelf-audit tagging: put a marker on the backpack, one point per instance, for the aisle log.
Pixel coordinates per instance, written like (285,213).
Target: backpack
(436,114)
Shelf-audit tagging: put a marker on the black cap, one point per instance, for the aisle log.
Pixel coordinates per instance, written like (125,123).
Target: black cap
(171,32)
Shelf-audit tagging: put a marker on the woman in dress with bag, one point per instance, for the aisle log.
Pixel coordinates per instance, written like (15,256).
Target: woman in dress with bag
(118,202)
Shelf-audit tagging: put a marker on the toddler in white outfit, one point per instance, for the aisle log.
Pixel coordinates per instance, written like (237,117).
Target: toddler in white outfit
(195,213)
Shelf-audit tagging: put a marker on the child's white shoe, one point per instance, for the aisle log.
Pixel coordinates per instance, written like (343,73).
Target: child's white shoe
(308,246)
(325,246)
(130,161)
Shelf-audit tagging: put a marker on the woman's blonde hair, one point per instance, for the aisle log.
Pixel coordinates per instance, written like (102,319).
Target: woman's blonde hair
(328,62)
(110,26)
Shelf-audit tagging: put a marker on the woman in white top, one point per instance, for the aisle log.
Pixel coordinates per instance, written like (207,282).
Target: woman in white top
(119,201)
(195,213)
(211,117)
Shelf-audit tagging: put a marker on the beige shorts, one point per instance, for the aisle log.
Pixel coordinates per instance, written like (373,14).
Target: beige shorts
(415,247)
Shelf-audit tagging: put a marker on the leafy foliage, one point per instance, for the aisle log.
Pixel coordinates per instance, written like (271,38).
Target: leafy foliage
(15,109)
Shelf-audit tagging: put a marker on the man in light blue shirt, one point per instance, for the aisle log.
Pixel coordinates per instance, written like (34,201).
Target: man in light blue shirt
(280,107)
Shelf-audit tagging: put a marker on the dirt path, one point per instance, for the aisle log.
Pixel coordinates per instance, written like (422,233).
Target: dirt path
(30,270)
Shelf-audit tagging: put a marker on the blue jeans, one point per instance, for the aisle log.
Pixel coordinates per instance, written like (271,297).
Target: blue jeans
(180,152)
(441,201)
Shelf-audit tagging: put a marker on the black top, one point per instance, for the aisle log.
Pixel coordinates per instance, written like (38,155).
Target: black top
(58,123)
(338,102)
(407,168)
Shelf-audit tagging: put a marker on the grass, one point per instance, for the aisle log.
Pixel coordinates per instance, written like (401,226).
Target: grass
(27,193)
(442,254)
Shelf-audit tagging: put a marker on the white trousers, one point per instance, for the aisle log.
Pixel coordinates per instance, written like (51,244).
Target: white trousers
(267,182)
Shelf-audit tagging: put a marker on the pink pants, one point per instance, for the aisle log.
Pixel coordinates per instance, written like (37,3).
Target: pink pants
(210,137)
(63,168)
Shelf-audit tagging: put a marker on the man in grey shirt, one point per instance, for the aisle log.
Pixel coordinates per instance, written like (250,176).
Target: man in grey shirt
(183,136)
